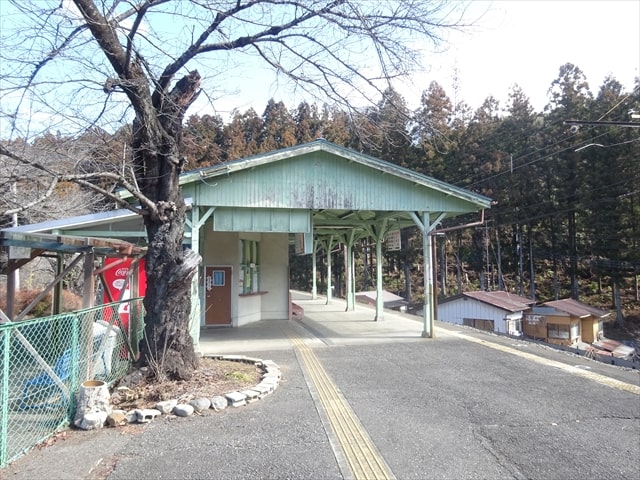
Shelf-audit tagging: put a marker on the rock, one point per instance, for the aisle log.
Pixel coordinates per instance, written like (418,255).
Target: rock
(125,394)
(219,403)
(200,404)
(117,418)
(269,386)
(91,420)
(166,406)
(145,415)
(236,399)
(134,378)
(183,410)
(131,416)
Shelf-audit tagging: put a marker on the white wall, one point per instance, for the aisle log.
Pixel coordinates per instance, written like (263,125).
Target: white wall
(224,249)
(274,259)
(455,311)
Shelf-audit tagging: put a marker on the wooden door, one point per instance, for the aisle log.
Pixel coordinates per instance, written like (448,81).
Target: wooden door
(217,299)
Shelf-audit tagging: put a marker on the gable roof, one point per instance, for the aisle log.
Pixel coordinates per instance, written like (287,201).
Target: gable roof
(315,188)
(321,145)
(502,300)
(576,308)
(342,192)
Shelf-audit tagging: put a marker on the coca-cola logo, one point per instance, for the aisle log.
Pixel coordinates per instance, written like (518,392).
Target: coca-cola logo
(122,272)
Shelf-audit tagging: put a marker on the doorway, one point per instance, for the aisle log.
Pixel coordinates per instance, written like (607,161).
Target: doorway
(217,299)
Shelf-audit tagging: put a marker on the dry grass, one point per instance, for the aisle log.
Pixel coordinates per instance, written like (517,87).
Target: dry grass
(213,377)
(70,302)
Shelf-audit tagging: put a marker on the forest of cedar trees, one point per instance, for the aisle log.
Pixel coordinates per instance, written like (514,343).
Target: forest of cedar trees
(566,218)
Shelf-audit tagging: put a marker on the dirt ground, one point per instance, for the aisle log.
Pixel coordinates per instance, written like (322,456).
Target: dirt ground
(630,331)
(213,377)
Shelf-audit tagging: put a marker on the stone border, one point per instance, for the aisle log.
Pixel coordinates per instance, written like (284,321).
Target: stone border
(270,379)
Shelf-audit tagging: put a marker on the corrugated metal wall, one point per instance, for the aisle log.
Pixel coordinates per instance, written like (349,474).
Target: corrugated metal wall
(320,180)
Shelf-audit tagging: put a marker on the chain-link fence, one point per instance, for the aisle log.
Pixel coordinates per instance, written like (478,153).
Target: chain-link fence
(43,362)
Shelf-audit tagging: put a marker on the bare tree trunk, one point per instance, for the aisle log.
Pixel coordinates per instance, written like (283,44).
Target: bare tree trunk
(532,268)
(501,286)
(443,268)
(458,266)
(157,138)
(520,263)
(617,302)
(573,256)
(556,288)
(365,265)
(407,280)
(167,343)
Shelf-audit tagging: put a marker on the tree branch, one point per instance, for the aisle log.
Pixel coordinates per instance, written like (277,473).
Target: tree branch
(82,179)
(42,198)
(132,79)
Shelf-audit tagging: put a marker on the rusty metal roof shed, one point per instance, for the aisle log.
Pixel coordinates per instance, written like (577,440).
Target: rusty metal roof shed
(576,308)
(499,299)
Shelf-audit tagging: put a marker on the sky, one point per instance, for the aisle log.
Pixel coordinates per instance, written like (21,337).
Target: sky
(523,42)
(514,42)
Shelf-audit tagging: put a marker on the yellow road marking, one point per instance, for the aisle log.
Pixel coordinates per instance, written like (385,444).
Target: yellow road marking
(596,377)
(363,459)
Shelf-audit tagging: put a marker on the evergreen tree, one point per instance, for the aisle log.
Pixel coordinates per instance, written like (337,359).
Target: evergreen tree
(519,190)
(308,124)
(278,127)
(432,130)
(614,175)
(242,135)
(337,126)
(569,96)
(203,140)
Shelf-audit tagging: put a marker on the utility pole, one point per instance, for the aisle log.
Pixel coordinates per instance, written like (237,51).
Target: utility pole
(486,240)
(14,223)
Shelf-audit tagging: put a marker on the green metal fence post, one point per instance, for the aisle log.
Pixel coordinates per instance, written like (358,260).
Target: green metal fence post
(35,372)
(75,363)
(4,404)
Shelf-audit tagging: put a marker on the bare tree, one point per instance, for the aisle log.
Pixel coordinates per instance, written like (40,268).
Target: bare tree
(30,194)
(107,62)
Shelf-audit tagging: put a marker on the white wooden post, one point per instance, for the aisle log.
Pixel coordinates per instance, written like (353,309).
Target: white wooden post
(379,299)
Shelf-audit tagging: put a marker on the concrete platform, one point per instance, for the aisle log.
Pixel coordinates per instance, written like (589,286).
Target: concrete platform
(322,322)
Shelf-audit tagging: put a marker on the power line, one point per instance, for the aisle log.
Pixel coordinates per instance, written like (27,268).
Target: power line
(604,123)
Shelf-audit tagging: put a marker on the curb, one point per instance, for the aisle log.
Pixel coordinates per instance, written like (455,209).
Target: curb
(269,382)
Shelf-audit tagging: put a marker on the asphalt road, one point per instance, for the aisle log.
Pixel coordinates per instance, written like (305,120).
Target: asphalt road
(466,405)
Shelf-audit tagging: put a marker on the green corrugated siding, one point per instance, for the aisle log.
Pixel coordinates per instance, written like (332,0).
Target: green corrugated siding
(320,180)
(261,220)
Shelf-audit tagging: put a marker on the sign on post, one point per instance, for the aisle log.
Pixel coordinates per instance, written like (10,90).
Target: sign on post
(392,240)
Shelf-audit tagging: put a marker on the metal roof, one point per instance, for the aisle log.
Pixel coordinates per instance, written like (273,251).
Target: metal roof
(347,192)
(349,195)
(108,224)
(89,220)
(576,308)
(503,300)
(68,243)
(322,145)
(390,300)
